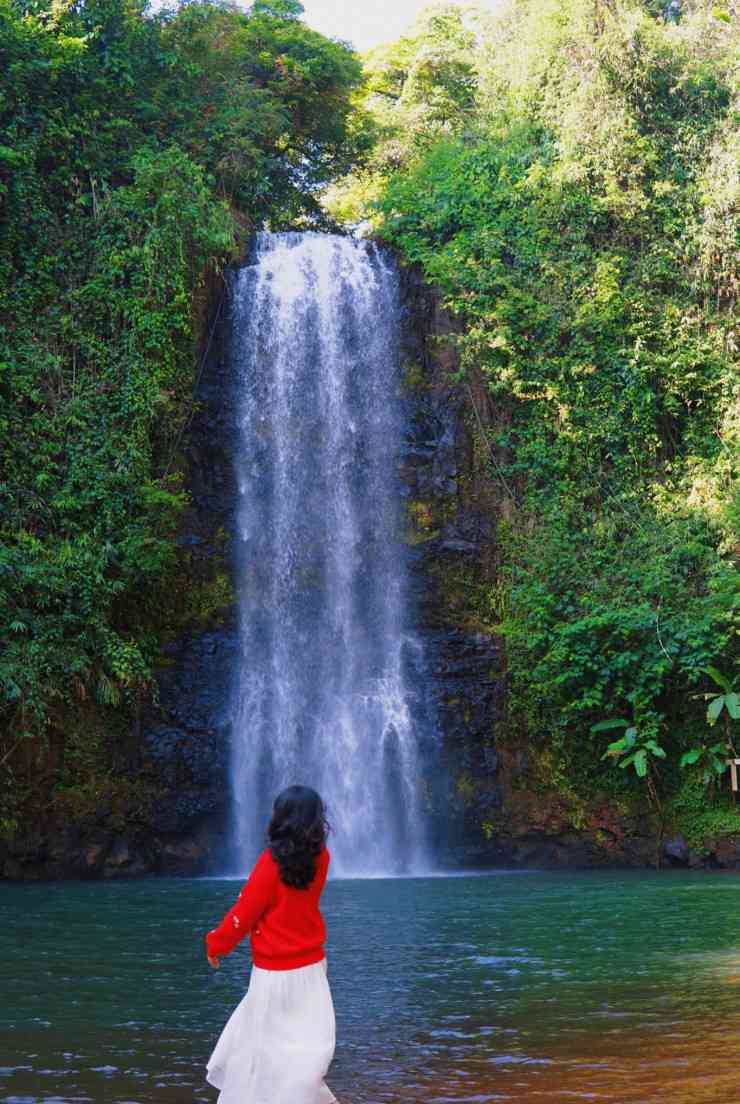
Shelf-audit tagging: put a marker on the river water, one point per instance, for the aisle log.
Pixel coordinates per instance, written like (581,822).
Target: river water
(524,987)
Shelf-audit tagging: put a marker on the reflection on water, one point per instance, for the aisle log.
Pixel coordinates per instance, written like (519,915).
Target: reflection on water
(519,988)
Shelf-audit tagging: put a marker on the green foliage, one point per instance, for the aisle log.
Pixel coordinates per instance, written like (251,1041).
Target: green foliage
(728,702)
(416,90)
(88,392)
(635,749)
(584,226)
(262,102)
(132,145)
(697,819)
(709,758)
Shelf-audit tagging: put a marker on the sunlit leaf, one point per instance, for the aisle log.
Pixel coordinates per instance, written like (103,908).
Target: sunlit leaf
(719,678)
(606,726)
(732,701)
(715,708)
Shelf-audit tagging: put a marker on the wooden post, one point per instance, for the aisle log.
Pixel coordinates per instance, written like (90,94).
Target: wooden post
(733,765)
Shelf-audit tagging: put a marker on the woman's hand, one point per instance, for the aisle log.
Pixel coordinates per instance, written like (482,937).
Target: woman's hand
(213,961)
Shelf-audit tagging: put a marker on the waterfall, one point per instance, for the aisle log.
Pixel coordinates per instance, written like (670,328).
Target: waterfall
(324,691)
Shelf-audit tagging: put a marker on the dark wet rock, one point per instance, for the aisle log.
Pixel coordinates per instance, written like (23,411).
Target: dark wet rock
(186,749)
(119,855)
(185,739)
(448,534)
(453,544)
(94,856)
(725,853)
(490,759)
(676,849)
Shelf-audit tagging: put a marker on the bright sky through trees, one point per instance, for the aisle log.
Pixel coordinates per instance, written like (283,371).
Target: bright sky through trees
(365,23)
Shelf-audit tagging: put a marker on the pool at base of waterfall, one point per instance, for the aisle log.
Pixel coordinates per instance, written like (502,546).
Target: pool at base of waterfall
(519,987)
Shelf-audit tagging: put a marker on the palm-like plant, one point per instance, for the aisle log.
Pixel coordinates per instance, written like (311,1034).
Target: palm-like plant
(637,749)
(725,705)
(711,759)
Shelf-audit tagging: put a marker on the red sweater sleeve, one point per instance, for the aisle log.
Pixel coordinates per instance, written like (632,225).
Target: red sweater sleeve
(251,903)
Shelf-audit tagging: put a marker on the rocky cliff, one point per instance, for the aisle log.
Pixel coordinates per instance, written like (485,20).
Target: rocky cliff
(164,806)
(186,732)
(496,798)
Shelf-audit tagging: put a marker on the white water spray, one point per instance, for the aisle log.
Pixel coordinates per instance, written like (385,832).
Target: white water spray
(322,694)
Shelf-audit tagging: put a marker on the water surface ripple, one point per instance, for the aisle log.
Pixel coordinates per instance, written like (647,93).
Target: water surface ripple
(524,987)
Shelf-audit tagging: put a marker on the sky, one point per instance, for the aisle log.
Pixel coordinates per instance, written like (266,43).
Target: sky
(364,23)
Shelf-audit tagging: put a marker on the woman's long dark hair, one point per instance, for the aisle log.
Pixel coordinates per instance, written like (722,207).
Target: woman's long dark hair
(296,834)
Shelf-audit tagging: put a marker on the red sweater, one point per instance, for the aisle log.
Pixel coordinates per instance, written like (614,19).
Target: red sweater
(287,930)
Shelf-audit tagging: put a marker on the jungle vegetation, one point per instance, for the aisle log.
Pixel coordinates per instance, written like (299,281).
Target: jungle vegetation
(568,172)
(137,150)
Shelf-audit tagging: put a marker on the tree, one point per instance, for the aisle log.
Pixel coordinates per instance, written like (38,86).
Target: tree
(277,9)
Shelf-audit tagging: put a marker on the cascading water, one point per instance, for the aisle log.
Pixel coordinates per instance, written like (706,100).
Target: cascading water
(323,691)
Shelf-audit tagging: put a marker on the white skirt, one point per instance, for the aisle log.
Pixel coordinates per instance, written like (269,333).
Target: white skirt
(279,1041)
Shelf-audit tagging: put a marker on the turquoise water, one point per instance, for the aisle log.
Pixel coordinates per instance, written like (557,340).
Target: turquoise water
(509,987)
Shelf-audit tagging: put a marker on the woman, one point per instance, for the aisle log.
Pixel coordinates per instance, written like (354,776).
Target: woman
(279,1041)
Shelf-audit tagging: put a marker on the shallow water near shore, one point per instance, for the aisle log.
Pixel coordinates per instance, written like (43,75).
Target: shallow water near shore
(517,987)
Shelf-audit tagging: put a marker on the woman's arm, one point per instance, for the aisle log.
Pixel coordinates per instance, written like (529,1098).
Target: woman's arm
(254,898)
